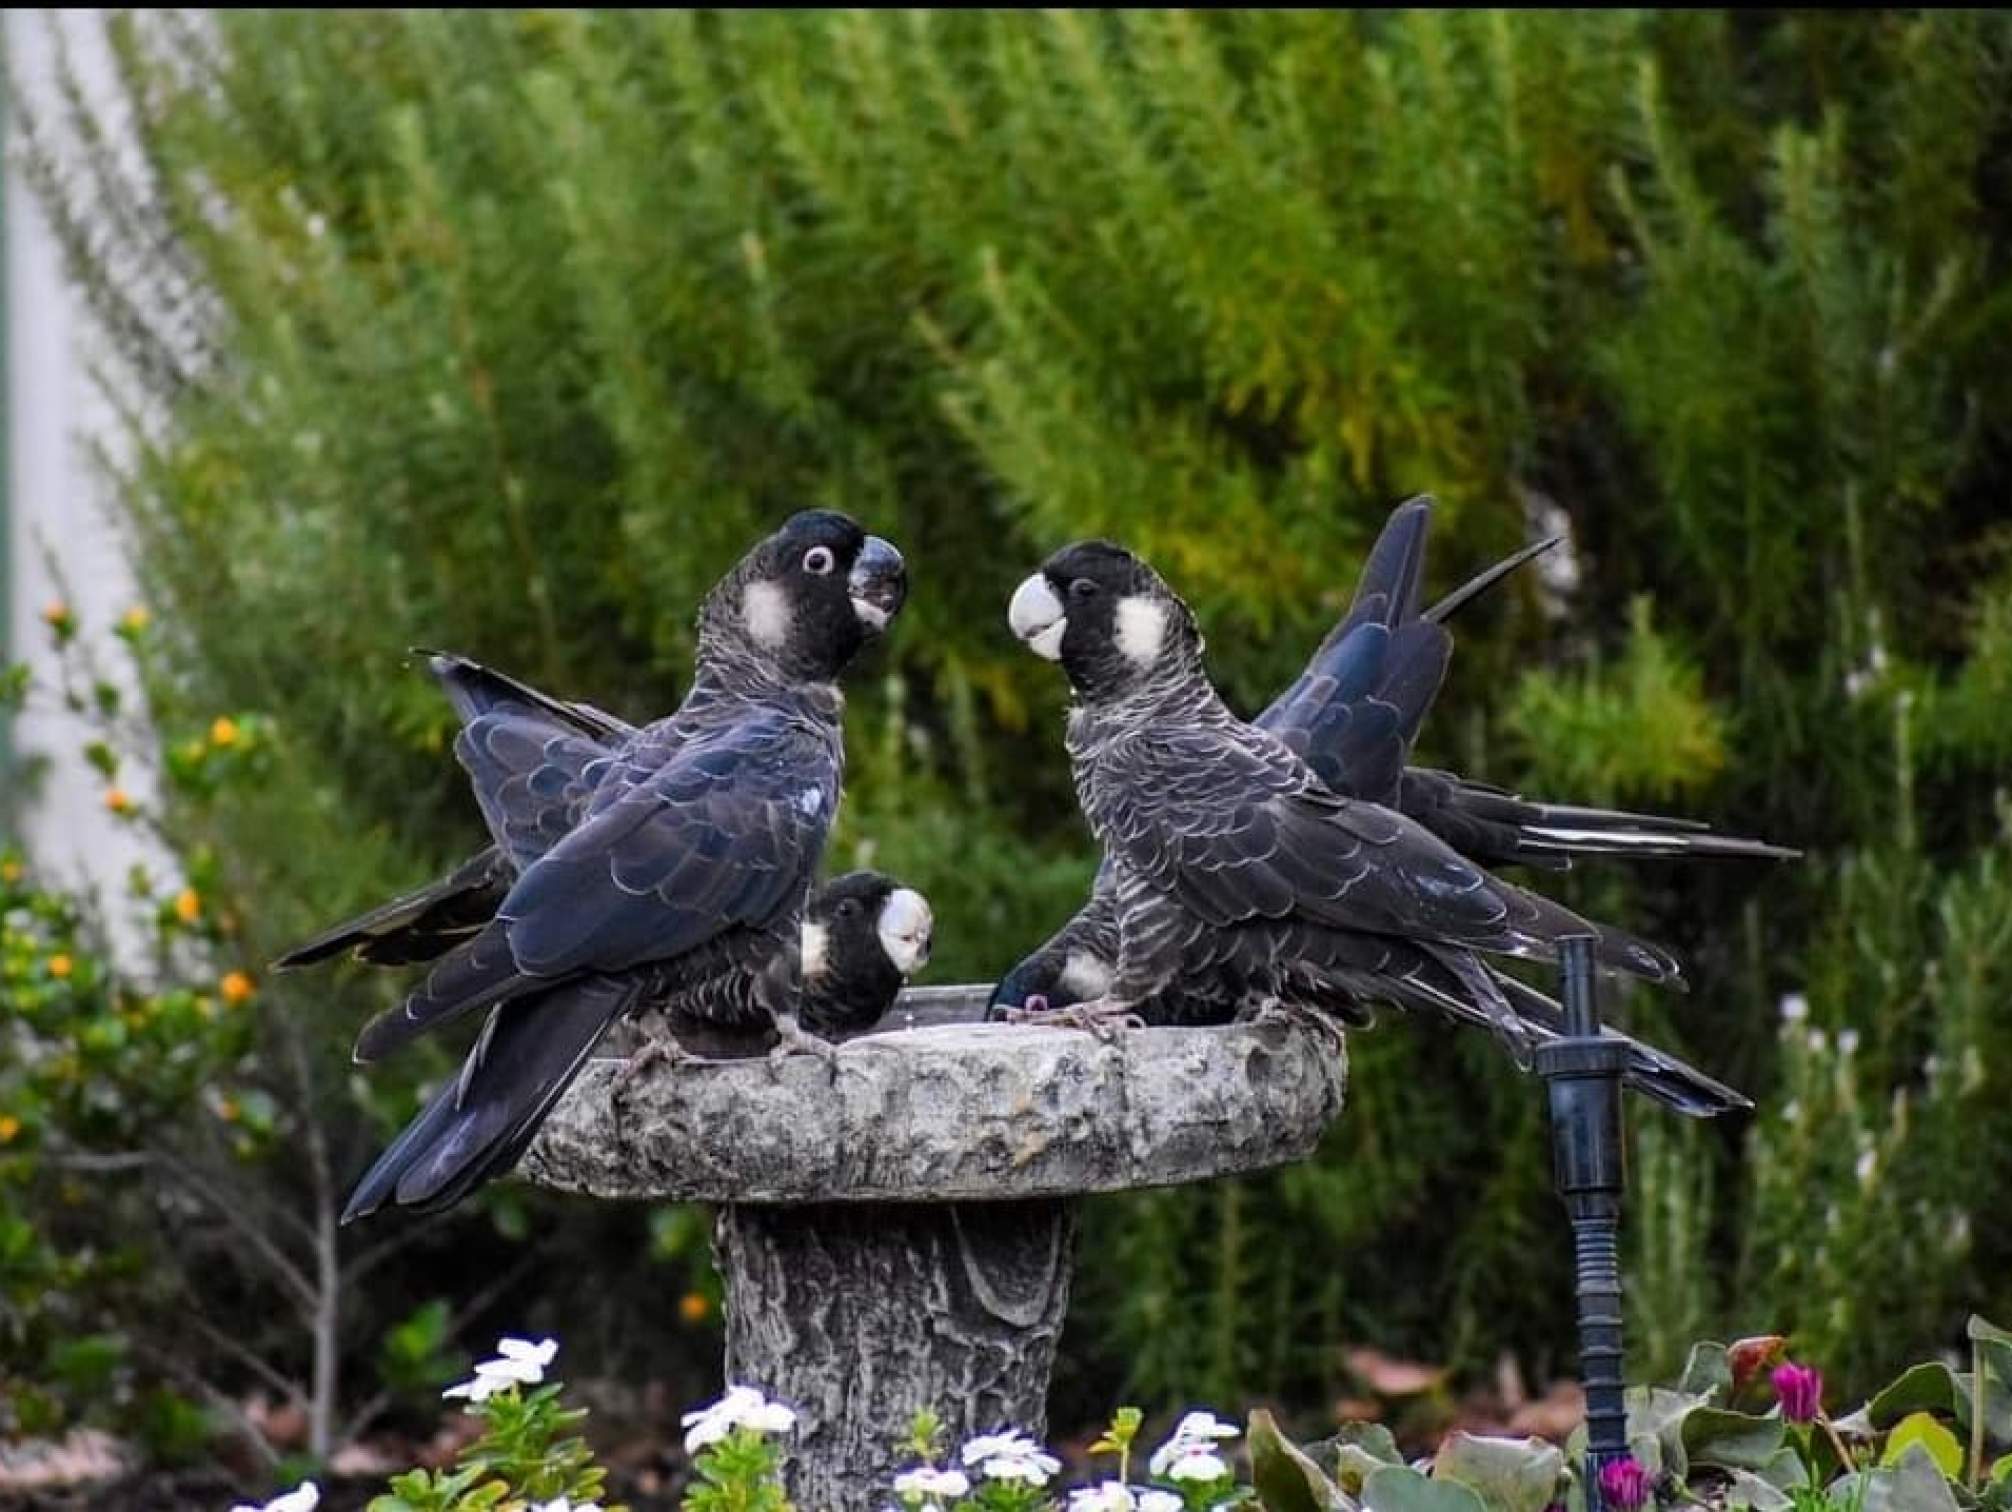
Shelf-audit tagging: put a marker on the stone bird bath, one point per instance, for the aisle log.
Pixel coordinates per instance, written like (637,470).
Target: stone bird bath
(897,1229)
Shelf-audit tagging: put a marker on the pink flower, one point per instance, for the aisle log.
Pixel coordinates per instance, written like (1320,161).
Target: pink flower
(1800,1391)
(1625,1484)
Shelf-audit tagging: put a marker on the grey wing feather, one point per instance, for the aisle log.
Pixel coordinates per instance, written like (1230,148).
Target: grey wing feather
(1237,830)
(726,835)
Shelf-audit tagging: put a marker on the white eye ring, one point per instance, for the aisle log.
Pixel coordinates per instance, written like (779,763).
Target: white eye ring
(818,560)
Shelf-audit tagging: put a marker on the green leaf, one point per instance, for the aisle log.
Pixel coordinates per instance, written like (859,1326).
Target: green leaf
(1511,1475)
(1286,1479)
(1922,1429)
(2001,1470)
(1397,1488)
(1987,1333)
(1708,1373)
(1728,1439)
(1354,1454)
(1750,1491)
(1927,1387)
(1655,1427)
(85,1365)
(1916,1485)
(1785,1471)
(1934,1387)
(1993,1346)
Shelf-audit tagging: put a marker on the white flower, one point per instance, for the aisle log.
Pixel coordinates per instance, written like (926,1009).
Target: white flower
(1197,1433)
(1011,1456)
(519,1362)
(1868,1162)
(741,1407)
(990,1445)
(1794,1008)
(302,1498)
(1111,1496)
(1197,1427)
(927,1480)
(1847,1041)
(566,1504)
(1197,1465)
(1115,1496)
(538,1355)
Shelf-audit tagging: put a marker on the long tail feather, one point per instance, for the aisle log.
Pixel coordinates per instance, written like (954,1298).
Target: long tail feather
(1485,579)
(475,690)
(477,1125)
(418,926)
(1655,1073)
(1648,844)
(477,975)
(1396,564)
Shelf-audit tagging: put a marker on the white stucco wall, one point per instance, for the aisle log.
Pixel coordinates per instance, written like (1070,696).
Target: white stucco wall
(57,508)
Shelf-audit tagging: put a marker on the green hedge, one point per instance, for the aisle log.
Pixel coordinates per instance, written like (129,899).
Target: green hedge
(505,331)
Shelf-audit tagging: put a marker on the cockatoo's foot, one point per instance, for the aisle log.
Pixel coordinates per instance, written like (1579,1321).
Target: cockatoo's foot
(791,1038)
(1106,1018)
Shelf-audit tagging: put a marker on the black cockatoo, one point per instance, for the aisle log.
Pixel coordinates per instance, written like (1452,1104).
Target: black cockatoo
(671,870)
(863,933)
(1235,874)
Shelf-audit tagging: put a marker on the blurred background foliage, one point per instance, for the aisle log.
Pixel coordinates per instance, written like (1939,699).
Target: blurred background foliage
(506,331)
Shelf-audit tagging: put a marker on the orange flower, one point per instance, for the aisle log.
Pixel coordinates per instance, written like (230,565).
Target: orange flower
(235,987)
(224,732)
(59,966)
(227,1109)
(10,871)
(118,801)
(136,619)
(9,1127)
(188,906)
(57,615)
(693,1307)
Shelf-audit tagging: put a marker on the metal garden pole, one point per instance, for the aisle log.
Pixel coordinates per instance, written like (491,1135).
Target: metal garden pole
(1582,1071)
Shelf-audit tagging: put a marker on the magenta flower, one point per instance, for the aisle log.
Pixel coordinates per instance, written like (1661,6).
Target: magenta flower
(1800,1391)
(1625,1484)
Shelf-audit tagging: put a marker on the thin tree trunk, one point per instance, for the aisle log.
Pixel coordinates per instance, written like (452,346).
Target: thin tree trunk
(327,1315)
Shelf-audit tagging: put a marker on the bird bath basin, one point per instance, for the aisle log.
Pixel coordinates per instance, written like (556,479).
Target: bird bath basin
(897,1229)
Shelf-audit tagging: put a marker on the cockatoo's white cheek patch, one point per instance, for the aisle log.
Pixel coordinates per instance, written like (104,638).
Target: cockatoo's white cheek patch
(816,949)
(905,929)
(765,613)
(1142,629)
(1084,976)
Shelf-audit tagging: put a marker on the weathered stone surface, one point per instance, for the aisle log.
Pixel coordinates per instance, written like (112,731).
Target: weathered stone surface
(858,1316)
(959,1111)
(897,1225)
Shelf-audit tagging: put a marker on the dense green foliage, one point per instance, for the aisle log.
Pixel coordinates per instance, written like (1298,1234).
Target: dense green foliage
(506,331)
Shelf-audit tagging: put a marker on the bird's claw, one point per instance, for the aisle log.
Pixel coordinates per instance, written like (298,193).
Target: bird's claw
(792,1039)
(665,1051)
(1270,1013)
(657,1050)
(1101,1017)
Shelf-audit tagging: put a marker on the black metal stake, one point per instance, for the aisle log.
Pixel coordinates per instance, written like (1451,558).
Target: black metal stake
(1582,1071)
